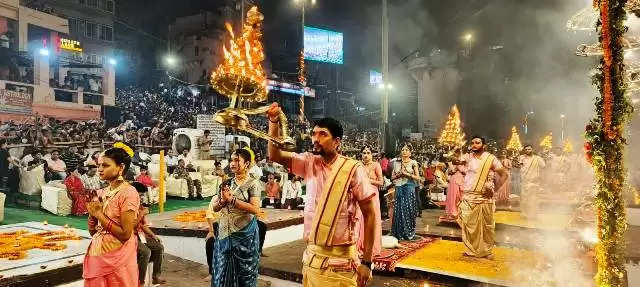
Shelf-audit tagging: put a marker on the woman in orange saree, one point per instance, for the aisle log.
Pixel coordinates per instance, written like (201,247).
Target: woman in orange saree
(111,256)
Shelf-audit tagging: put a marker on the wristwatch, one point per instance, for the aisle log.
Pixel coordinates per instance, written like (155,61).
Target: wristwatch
(369,264)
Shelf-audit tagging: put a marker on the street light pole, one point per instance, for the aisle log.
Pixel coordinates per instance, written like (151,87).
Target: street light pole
(526,122)
(241,14)
(384,125)
(467,39)
(562,119)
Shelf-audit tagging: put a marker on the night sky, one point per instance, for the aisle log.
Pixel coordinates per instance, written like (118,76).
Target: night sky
(536,68)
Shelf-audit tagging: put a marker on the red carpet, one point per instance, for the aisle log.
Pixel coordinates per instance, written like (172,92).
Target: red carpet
(390,257)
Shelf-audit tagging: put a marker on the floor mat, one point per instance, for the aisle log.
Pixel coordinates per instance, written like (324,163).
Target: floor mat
(390,257)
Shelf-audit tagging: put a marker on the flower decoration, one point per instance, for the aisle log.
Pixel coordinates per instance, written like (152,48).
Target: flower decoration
(125,147)
(605,144)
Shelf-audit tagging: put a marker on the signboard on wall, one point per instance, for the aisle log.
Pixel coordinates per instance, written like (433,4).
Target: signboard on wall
(415,136)
(289,88)
(69,45)
(375,78)
(206,122)
(15,102)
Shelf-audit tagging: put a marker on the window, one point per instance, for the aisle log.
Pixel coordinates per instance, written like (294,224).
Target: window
(106,5)
(110,6)
(106,33)
(91,58)
(82,2)
(197,51)
(92,3)
(91,30)
(76,26)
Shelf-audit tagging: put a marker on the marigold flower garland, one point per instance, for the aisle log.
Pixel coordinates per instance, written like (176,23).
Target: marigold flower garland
(604,146)
(14,245)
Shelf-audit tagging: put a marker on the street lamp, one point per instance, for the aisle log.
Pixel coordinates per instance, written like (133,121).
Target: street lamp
(170,61)
(304,2)
(44,52)
(113,61)
(526,122)
(467,38)
(384,86)
(562,119)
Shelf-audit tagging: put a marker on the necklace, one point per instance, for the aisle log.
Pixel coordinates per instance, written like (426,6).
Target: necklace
(241,178)
(110,194)
(329,164)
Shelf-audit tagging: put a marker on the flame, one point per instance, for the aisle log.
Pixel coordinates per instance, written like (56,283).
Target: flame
(230,29)
(241,69)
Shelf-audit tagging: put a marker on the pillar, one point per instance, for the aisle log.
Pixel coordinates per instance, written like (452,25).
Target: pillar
(41,92)
(109,85)
(437,91)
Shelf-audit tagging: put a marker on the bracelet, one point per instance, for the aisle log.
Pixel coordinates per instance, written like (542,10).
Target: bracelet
(233,202)
(109,225)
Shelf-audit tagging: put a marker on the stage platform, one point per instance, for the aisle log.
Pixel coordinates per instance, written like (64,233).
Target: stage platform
(446,258)
(44,267)
(285,262)
(511,229)
(165,223)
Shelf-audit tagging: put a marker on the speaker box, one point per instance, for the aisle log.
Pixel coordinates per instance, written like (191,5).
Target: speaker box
(111,116)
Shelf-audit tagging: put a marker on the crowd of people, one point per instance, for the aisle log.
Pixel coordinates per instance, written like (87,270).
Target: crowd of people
(468,181)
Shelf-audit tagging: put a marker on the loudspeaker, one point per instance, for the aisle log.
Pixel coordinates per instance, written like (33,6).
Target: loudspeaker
(111,116)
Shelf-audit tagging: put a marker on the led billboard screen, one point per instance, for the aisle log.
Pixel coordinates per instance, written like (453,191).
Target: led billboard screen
(323,45)
(375,78)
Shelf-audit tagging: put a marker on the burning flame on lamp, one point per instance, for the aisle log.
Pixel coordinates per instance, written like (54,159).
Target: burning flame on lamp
(241,73)
(589,235)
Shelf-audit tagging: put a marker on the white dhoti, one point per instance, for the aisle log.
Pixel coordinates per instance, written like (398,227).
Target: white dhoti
(529,199)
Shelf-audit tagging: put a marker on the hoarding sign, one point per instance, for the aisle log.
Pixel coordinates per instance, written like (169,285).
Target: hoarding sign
(15,102)
(206,122)
(69,45)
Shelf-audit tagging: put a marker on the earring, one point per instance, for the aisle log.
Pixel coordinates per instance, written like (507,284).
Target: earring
(120,178)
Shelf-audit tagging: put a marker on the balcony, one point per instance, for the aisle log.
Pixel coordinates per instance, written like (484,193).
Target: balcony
(78,97)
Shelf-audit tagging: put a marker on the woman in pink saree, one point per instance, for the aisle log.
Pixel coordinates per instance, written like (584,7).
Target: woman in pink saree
(374,171)
(454,190)
(111,256)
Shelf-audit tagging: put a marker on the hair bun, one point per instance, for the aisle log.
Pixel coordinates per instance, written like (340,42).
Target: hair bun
(253,156)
